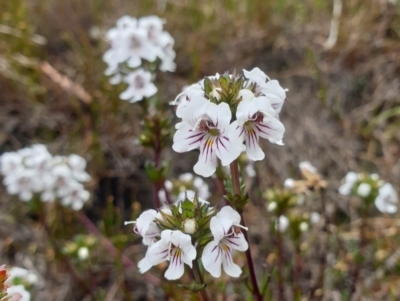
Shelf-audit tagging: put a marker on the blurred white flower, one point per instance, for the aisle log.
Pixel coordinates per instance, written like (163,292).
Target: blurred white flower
(133,41)
(249,169)
(22,275)
(271,206)
(304,226)
(308,167)
(19,289)
(34,170)
(140,86)
(83,253)
(387,199)
(315,217)
(289,183)
(282,223)
(364,190)
(349,181)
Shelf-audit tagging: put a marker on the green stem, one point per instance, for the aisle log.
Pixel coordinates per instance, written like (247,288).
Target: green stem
(199,278)
(236,190)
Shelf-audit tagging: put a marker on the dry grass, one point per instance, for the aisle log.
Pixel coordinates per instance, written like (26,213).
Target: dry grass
(342,114)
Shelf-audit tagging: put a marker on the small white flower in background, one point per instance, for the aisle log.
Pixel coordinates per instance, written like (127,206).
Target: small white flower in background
(282,223)
(225,228)
(364,190)
(34,170)
(272,206)
(349,181)
(249,169)
(306,166)
(387,199)
(21,275)
(315,217)
(177,248)
(133,41)
(304,226)
(140,86)
(289,183)
(83,253)
(18,290)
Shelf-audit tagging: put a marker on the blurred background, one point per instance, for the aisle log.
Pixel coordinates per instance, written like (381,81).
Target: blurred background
(340,61)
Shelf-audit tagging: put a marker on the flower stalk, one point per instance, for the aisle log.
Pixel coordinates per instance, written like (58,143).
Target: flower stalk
(234,167)
(199,278)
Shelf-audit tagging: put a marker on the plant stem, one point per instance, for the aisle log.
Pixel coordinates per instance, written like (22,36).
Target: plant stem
(280,264)
(199,278)
(236,190)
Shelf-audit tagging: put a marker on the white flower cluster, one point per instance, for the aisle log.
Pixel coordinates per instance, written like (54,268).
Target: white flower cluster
(185,186)
(221,113)
(386,198)
(132,42)
(179,244)
(34,170)
(18,281)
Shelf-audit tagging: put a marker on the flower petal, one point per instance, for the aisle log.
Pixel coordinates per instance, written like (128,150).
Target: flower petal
(212,259)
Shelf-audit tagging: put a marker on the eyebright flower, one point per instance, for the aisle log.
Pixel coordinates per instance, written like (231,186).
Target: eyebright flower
(255,119)
(209,130)
(177,248)
(250,99)
(225,228)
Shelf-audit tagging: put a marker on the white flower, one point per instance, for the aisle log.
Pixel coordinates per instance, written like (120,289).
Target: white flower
(140,86)
(282,223)
(364,190)
(250,171)
(11,163)
(304,226)
(272,206)
(255,119)
(270,88)
(387,199)
(306,166)
(83,253)
(22,183)
(349,181)
(176,247)
(315,217)
(78,166)
(225,228)
(146,227)
(76,196)
(23,275)
(289,183)
(18,290)
(208,130)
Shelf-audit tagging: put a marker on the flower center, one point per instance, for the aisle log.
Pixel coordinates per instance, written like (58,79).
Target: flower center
(135,42)
(258,117)
(138,82)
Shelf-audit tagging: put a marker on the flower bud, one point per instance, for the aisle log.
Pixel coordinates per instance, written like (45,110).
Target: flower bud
(189,226)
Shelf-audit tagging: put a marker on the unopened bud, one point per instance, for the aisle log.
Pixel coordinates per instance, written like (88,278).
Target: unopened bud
(189,226)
